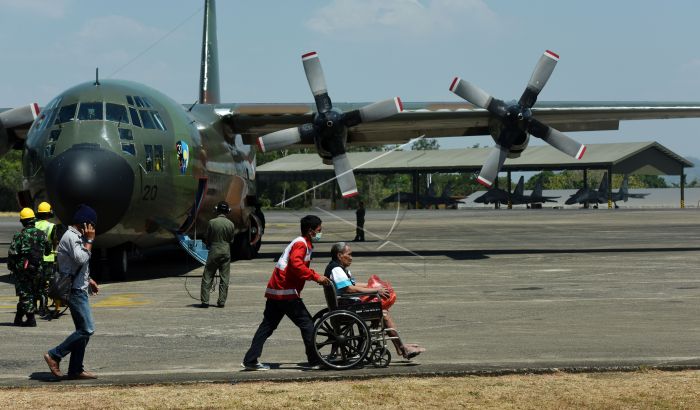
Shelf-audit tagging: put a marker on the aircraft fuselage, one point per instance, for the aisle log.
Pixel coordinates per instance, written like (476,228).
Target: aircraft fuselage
(140,159)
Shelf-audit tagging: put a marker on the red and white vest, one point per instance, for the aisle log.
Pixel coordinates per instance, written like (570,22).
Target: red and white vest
(291,271)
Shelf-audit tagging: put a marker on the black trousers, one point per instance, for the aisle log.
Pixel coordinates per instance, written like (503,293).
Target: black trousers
(275,310)
(360,231)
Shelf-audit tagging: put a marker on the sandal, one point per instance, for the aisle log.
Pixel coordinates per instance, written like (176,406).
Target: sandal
(413,352)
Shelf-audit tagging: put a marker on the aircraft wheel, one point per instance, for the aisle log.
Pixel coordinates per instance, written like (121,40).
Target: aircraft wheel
(118,259)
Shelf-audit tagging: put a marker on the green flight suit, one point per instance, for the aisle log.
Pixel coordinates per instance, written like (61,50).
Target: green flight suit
(219,236)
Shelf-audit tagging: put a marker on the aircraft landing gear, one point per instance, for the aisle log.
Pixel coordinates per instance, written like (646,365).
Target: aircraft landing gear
(118,263)
(246,244)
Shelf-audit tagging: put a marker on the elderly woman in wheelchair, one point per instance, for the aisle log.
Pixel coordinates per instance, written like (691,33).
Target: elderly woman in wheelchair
(352,331)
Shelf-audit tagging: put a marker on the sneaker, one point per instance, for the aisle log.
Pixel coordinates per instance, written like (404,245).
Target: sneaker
(255,366)
(220,305)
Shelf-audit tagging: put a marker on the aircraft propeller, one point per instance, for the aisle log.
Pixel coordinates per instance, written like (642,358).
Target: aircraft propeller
(329,126)
(12,118)
(511,122)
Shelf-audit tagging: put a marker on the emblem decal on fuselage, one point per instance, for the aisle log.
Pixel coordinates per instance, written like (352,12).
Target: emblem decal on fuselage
(183,155)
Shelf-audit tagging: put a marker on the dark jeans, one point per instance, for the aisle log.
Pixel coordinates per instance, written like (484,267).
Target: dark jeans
(275,310)
(76,343)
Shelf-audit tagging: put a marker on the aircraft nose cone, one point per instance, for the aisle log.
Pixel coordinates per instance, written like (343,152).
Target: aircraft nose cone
(88,174)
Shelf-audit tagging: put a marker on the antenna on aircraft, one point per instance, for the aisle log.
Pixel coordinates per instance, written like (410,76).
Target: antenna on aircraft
(97,75)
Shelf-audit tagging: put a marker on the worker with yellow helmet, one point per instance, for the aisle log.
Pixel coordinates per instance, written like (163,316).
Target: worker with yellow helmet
(44,213)
(25,261)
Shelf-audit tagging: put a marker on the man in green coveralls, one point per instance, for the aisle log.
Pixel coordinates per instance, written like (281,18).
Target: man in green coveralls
(218,239)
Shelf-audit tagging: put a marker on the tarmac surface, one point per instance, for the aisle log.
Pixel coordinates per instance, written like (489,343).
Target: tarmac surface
(485,291)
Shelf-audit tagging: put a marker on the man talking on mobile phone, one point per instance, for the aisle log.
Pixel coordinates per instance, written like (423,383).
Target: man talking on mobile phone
(73,258)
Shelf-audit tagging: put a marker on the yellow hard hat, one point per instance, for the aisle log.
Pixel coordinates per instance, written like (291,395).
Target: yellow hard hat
(26,213)
(44,208)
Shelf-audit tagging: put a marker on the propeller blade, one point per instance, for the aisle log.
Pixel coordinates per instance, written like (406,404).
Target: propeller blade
(373,112)
(279,139)
(540,76)
(557,139)
(343,172)
(381,109)
(493,164)
(317,81)
(470,92)
(18,116)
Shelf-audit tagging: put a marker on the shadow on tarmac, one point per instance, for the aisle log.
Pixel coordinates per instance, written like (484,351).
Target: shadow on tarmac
(47,377)
(476,254)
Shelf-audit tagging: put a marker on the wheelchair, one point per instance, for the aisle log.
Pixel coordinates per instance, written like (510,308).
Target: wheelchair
(349,333)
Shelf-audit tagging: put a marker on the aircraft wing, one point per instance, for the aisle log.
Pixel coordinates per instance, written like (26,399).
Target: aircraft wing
(638,196)
(449,119)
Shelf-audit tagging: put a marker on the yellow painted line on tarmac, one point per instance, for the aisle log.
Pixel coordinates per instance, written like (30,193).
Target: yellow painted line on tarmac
(8,302)
(118,300)
(121,300)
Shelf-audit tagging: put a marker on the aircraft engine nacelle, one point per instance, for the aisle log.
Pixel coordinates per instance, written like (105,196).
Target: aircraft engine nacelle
(518,147)
(336,143)
(519,142)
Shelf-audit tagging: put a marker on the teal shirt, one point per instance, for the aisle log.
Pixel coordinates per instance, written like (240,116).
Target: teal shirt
(219,236)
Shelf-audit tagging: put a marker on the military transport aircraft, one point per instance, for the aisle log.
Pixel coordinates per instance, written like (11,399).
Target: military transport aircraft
(153,169)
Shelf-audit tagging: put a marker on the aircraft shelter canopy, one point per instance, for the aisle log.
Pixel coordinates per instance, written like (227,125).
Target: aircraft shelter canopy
(645,158)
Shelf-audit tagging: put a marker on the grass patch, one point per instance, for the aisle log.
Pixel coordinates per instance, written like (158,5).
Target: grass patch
(644,389)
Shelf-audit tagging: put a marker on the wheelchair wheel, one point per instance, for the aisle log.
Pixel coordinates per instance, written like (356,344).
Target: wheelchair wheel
(319,315)
(341,339)
(379,355)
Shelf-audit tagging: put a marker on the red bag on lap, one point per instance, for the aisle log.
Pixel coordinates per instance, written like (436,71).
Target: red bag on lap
(375,282)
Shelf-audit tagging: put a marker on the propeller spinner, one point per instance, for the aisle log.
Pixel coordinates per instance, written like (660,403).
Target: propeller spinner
(511,122)
(329,126)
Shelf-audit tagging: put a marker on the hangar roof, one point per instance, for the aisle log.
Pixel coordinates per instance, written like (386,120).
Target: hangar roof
(646,158)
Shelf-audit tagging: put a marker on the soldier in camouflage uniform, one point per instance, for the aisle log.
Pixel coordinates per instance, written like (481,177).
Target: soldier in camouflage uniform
(25,259)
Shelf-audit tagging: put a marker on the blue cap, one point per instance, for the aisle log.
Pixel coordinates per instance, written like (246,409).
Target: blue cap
(85,214)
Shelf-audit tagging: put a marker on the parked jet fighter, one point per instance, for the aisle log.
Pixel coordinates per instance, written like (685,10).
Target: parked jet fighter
(583,196)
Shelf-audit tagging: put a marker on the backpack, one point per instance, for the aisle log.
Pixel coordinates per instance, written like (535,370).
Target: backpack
(27,249)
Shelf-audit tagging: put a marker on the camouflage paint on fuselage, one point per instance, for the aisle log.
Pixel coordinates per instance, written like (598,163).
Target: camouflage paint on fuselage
(160,196)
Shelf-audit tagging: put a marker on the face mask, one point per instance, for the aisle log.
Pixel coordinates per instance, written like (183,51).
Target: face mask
(317,237)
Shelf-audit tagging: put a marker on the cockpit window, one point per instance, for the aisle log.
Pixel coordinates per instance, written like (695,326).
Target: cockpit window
(147,102)
(66,113)
(129,100)
(159,121)
(147,119)
(134,117)
(90,111)
(139,101)
(116,113)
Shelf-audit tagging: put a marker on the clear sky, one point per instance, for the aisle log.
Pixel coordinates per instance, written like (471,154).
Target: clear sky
(620,50)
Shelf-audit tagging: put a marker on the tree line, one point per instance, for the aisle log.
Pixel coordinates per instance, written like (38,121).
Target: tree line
(373,187)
